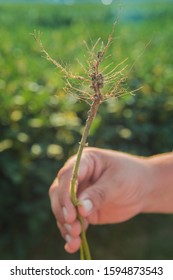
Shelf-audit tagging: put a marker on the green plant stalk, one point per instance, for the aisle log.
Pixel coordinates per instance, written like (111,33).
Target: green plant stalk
(97,80)
(84,248)
(116,79)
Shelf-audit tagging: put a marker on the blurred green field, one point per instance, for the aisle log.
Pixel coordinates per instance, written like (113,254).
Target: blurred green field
(40,126)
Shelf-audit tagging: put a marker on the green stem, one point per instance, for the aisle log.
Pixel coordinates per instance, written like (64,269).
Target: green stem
(84,248)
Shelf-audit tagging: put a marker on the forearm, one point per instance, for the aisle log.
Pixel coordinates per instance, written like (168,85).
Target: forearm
(160,198)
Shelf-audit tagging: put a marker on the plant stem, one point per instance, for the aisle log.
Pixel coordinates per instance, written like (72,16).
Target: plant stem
(84,248)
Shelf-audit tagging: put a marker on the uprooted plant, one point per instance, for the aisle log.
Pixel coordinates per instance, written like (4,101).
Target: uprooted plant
(97,84)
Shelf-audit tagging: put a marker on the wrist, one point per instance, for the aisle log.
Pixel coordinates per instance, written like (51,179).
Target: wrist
(160,195)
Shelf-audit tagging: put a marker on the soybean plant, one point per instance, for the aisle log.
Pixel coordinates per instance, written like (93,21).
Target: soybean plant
(97,84)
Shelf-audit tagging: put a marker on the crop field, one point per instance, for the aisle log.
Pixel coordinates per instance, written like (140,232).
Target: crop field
(40,125)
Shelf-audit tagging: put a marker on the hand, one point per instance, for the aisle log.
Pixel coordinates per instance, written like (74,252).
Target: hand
(112,187)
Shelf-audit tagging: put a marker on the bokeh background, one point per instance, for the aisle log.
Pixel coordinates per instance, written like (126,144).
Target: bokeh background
(40,126)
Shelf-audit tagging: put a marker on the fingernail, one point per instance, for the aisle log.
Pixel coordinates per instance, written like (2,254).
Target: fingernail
(64,210)
(87,205)
(67,238)
(67,227)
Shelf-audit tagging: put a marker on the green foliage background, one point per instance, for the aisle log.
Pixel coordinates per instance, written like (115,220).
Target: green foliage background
(40,126)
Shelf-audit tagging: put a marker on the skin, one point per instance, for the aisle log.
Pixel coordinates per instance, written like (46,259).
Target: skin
(112,187)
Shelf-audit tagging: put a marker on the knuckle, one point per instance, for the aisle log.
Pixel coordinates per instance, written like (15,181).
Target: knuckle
(66,170)
(62,172)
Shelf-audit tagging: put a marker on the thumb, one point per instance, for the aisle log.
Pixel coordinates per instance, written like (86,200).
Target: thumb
(92,199)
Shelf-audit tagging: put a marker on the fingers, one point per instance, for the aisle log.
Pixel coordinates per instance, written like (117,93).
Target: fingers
(59,192)
(72,245)
(64,211)
(54,200)
(65,214)
(71,234)
(92,198)
(62,207)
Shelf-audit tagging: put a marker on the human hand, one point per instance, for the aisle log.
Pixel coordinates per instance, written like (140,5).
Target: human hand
(112,187)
